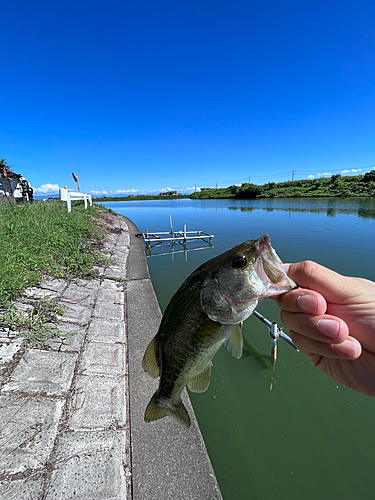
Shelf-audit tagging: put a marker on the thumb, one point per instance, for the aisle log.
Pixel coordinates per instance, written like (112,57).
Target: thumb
(313,276)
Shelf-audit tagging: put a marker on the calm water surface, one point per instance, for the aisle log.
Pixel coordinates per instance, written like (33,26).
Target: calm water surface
(286,431)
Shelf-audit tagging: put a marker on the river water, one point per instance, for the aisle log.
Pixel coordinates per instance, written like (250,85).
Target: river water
(284,431)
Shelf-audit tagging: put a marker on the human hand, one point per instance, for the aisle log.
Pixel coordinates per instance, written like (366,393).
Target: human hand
(332,320)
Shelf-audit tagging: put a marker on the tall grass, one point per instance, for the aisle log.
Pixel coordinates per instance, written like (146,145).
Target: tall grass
(42,238)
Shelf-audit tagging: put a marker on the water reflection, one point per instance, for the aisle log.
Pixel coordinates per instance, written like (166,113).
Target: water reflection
(363,213)
(159,249)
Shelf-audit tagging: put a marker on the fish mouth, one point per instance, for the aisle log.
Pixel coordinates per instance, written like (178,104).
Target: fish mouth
(264,243)
(268,267)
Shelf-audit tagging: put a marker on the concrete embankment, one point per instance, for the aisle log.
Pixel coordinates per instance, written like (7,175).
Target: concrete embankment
(71,414)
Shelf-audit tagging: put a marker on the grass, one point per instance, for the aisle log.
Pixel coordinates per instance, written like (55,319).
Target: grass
(42,238)
(34,325)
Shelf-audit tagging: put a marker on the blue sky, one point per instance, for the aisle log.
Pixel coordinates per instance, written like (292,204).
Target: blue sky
(145,96)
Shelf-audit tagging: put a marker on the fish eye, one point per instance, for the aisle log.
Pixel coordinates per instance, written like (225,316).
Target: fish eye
(239,262)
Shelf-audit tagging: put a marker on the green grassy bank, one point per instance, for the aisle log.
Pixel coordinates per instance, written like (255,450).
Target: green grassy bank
(335,186)
(42,238)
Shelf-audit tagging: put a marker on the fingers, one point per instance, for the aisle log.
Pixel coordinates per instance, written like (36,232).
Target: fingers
(349,349)
(323,328)
(313,276)
(302,300)
(320,335)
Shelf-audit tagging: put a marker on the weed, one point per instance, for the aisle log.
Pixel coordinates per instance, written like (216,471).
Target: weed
(33,324)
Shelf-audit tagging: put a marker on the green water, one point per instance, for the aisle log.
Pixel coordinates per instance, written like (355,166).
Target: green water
(286,431)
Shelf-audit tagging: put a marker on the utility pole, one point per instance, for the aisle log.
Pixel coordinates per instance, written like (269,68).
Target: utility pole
(249,179)
(216,184)
(293,175)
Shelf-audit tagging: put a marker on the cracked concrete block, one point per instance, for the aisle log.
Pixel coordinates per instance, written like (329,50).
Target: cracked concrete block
(76,313)
(37,293)
(123,240)
(28,432)
(111,285)
(88,284)
(105,330)
(8,350)
(55,284)
(90,465)
(78,295)
(47,371)
(110,297)
(98,403)
(103,358)
(23,488)
(99,269)
(109,311)
(6,334)
(71,338)
(115,272)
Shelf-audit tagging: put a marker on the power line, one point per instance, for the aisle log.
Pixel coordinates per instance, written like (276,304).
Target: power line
(299,172)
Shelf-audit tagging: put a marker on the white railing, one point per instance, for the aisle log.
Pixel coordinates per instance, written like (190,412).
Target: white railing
(68,195)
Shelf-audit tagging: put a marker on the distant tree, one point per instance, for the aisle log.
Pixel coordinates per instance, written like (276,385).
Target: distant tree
(369,176)
(4,163)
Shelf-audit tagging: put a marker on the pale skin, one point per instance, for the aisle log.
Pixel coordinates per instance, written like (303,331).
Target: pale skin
(332,320)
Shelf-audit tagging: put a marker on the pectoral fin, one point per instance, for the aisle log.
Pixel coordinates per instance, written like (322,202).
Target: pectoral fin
(150,360)
(200,382)
(235,342)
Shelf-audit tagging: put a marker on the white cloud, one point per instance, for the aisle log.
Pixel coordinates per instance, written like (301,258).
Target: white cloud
(193,189)
(126,191)
(345,171)
(354,170)
(311,176)
(99,192)
(47,189)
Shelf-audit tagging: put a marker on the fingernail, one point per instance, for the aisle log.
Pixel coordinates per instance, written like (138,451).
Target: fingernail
(329,328)
(350,348)
(307,303)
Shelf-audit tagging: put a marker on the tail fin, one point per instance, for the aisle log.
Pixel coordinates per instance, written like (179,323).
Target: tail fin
(155,411)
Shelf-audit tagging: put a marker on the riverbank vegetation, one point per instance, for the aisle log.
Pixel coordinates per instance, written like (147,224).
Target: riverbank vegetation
(337,185)
(42,238)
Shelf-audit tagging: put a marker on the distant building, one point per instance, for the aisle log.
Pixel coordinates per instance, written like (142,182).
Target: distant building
(168,193)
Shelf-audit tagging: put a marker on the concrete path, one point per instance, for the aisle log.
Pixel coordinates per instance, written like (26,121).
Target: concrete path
(71,414)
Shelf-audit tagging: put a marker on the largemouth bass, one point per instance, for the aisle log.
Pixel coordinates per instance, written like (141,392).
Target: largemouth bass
(206,312)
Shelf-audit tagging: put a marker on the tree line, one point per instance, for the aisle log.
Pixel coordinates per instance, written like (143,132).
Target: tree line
(337,185)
